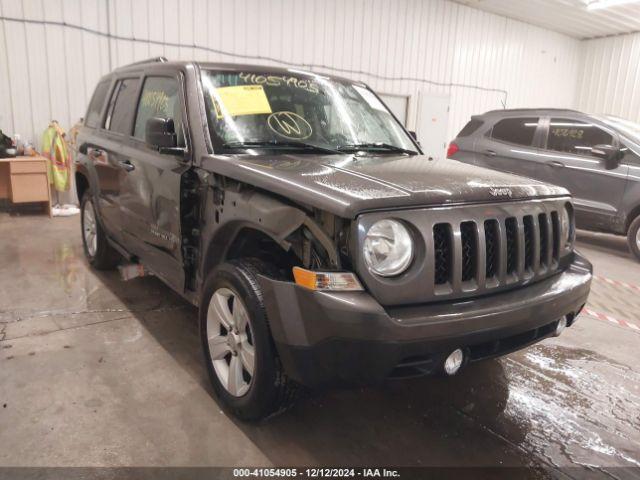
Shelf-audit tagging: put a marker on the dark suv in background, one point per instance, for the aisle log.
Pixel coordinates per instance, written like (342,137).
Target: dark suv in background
(597,158)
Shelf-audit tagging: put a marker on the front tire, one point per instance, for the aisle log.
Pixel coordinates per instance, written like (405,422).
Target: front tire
(239,352)
(633,237)
(99,253)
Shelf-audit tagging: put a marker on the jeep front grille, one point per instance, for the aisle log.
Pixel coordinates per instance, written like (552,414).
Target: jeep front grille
(442,242)
(465,251)
(513,249)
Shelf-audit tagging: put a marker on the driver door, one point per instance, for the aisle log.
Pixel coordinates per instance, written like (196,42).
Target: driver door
(150,197)
(570,163)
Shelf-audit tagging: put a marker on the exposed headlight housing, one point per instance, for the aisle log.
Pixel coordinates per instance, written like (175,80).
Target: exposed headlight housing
(388,248)
(566,227)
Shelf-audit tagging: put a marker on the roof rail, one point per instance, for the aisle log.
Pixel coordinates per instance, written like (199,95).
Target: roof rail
(525,110)
(148,60)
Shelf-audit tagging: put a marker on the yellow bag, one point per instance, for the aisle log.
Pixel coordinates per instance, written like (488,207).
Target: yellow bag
(54,147)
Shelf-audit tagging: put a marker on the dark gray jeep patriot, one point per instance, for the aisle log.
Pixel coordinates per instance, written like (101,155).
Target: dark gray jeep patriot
(319,244)
(595,157)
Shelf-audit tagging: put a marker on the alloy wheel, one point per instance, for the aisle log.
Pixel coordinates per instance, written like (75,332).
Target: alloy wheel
(89,228)
(230,340)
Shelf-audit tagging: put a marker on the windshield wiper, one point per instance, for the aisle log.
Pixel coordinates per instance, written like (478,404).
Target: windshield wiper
(368,147)
(279,144)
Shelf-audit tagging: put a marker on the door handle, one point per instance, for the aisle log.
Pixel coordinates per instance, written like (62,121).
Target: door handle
(490,153)
(127,165)
(556,164)
(95,152)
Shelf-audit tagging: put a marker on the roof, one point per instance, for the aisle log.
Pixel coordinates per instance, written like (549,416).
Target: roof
(235,67)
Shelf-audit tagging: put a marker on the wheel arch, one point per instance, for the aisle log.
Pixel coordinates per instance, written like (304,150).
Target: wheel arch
(239,239)
(633,214)
(82,183)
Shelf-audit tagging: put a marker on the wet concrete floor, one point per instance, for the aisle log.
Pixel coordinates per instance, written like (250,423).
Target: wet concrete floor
(97,372)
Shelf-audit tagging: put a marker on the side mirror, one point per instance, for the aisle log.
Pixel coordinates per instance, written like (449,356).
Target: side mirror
(610,154)
(160,133)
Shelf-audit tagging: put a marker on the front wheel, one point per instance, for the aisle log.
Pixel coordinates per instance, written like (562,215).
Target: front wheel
(100,254)
(240,355)
(633,237)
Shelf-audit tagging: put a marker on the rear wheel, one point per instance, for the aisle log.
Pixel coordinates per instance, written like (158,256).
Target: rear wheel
(96,246)
(633,237)
(240,355)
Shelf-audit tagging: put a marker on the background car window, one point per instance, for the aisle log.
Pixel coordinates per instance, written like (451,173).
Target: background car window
(122,106)
(95,107)
(515,130)
(573,136)
(159,99)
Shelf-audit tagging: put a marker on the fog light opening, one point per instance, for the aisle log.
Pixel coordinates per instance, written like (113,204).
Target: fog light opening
(560,326)
(453,362)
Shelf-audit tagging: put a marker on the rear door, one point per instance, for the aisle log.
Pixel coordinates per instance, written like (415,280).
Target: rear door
(511,145)
(597,191)
(150,188)
(105,153)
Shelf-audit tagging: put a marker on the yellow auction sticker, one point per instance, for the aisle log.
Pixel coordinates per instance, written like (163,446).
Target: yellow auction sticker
(240,100)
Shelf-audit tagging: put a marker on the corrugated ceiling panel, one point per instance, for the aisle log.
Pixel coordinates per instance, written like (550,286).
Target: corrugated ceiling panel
(570,17)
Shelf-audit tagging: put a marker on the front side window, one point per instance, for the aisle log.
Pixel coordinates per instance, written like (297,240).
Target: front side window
(519,131)
(275,110)
(573,136)
(122,106)
(160,98)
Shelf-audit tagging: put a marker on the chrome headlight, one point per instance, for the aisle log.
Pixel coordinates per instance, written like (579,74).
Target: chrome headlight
(388,248)
(566,227)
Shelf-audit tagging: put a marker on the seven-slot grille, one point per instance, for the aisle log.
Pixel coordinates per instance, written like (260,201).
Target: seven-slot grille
(494,252)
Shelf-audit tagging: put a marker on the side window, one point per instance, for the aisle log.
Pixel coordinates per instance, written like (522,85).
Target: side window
(122,106)
(573,136)
(471,126)
(516,130)
(95,107)
(160,98)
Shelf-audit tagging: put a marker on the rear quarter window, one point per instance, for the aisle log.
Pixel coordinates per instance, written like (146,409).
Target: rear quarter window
(519,131)
(471,126)
(97,102)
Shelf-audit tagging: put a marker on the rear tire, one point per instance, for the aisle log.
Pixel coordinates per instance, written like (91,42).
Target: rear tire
(239,352)
(633,237)
(99,253)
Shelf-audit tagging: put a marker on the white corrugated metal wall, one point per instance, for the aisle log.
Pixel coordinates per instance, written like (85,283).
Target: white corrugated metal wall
(609,80)
(397,46)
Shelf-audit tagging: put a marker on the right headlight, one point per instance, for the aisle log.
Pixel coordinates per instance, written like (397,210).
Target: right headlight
(566,227)
(388,248)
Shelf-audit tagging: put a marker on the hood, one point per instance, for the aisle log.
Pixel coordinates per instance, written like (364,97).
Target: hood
(347,185)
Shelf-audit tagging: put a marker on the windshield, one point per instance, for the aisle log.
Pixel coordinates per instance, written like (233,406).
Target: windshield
(284,111)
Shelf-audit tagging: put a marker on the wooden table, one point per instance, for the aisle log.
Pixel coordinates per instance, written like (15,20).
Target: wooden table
(25,180)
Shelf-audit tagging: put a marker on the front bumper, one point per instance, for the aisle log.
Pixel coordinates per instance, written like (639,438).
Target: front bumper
(348,337)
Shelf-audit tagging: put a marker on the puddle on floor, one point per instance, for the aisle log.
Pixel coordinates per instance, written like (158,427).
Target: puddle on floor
(575,406)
